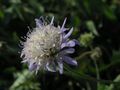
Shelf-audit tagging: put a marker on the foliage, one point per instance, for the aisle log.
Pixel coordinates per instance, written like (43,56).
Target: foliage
(25,81)
(96,26)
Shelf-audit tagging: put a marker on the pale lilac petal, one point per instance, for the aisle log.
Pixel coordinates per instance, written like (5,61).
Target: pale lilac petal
(49,68)
(67,51)
(51,23)
(60,64)
(64,29)
(68,34)
(63,45)
(39,23)
(32,66)
(69,60)
(70,43)
(63,24)
(76,42)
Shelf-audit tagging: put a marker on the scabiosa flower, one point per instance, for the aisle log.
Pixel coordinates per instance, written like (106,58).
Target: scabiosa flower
(47,47)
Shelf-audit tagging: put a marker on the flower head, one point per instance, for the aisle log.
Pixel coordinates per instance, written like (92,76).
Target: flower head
(47,47)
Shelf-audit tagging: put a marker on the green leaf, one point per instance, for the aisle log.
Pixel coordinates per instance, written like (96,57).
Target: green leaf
(109,13)
(25,81)
(91,27)
(113,86)
(1,14)
(102,87)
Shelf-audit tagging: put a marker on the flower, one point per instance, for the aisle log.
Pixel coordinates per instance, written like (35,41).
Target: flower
(47,47)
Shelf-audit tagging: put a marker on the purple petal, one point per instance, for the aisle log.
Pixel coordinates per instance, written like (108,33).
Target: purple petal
(60,64)
(49,69)
(70,43)
(52,20)
(32,66)
(63,31)
(76,42)
(69,60)
(63,45)
(63,24)
(39,23)
(67,51)
(68,34)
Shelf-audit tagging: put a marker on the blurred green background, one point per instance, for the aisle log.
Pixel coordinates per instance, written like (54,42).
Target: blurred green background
(96,26)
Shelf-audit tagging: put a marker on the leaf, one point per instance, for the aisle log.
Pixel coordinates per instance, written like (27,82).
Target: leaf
(113,86)
(102,87)
(18,11)
(91,27)
(15,1)
(108,12)
(25,81)
(1,14)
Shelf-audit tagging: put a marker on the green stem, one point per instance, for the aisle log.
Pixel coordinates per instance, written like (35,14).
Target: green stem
(110,65)
(78,75)
(83,55)
(97,73)
(97,69)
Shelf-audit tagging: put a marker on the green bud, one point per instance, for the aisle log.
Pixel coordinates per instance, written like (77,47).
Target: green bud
(86,39)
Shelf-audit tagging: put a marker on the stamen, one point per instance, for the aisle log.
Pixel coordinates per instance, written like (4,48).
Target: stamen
(52,20)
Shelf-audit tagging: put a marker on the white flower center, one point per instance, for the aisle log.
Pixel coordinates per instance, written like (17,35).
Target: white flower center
(42,43)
